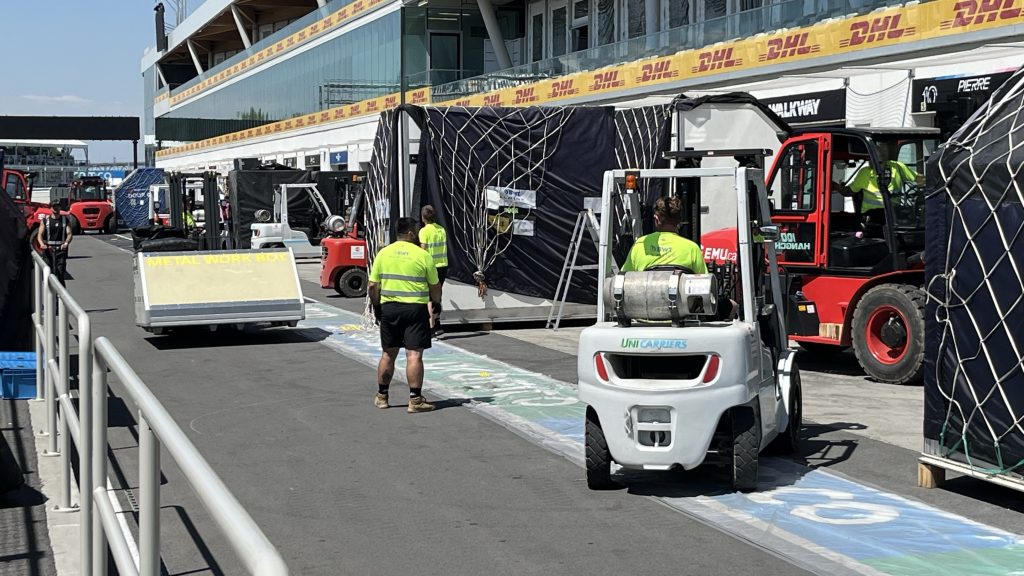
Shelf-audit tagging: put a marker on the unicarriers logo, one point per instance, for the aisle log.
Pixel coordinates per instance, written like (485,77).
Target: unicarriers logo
(653,344)
(791,45)
(974,12)
(877,30)
(716,60)
(607,80)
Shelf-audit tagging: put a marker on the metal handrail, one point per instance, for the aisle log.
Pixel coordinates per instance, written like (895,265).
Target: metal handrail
(53,309)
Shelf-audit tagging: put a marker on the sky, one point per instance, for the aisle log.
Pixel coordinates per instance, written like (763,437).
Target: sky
(76,58)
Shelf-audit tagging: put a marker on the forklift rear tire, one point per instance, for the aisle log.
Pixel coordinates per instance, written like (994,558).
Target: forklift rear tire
(110,226)
(351,283)
(745,447)
(598,458)
(888,333)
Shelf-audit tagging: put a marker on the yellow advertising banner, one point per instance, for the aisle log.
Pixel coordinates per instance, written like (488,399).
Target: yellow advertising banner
(893,26)
(217,277)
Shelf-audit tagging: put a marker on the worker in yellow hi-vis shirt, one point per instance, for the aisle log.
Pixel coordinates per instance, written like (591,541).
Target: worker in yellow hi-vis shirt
(665,247)
(434,240)
(403,281)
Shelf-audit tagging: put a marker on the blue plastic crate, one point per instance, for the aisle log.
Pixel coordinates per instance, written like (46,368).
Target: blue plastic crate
(18,384)
(26,356)
(17,364)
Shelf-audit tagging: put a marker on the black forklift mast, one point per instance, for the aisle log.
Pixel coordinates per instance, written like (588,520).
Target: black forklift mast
(178,192)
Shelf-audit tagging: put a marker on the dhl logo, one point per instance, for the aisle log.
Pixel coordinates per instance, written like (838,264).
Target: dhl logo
(526,95)
(355,109)
(974,12)
(606,81)
(358,6)
(419,97)
(877,30)
(250,133)
(791,45)
(562,89)
(716,60)
(464,102)
(290,41)
(391,102)
(339,113)
(659,70)
(492,100)
(316,26)
(287,125)
(372,106)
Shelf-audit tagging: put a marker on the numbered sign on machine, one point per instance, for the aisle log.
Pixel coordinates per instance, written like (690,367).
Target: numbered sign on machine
(216,287)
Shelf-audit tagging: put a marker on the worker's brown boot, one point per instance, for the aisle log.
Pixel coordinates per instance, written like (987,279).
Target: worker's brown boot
(380,400)
(419,404)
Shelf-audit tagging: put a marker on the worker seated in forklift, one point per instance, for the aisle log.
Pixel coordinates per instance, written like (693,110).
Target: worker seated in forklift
(665,248)
(863,187)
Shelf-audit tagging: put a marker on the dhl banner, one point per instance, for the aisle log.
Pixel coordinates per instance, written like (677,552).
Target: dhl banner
(897,25)
(303,36)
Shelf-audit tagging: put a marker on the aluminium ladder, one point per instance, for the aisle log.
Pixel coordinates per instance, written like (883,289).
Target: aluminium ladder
(586,221)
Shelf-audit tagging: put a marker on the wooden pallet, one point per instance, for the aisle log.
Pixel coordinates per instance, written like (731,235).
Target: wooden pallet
(931,473)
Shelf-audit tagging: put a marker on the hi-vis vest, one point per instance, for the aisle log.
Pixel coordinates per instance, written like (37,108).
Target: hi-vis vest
(866,181)
(405,272)
(665,249)
(55,230)
(436,240)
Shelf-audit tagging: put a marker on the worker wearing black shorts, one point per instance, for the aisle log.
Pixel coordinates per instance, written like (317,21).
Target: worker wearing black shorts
(403,281)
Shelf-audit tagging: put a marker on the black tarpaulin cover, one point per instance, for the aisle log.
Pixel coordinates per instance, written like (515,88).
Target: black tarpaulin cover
(974,378)
(550,158)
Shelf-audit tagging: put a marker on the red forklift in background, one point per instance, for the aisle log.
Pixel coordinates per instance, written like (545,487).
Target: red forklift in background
(18,186)
(343,254)
(853,276)
(91,205)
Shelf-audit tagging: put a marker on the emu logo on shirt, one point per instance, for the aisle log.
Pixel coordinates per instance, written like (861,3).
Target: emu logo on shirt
(653,343)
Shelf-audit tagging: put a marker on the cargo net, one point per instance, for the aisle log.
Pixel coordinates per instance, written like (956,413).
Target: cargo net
(381,177)
(977,290)
(491,163)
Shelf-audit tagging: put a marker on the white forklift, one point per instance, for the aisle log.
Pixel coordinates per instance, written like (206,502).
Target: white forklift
(682,368)
(300,220)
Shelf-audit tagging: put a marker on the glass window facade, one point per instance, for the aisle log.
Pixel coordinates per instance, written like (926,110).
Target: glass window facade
(360,64)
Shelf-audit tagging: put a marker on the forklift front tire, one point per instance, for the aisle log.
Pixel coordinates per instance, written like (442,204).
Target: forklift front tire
(351,283)
(745,448)
(598,457)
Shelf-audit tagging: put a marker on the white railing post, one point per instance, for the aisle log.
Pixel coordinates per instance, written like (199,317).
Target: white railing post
(149,500)
(85,441)
(48,377)
(99,463)
(37,317)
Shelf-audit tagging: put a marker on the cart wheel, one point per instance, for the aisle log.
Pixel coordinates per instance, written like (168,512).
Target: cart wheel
(351,283)
(789,441)
(888,333)
(745,445)
(599,459)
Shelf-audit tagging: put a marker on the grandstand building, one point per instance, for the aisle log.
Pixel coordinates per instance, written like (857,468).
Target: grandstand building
(302,82)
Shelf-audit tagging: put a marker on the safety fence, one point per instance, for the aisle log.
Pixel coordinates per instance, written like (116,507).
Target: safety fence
(86,426)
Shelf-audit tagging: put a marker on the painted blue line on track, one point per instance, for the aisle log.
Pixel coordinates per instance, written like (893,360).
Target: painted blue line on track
(820,521)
